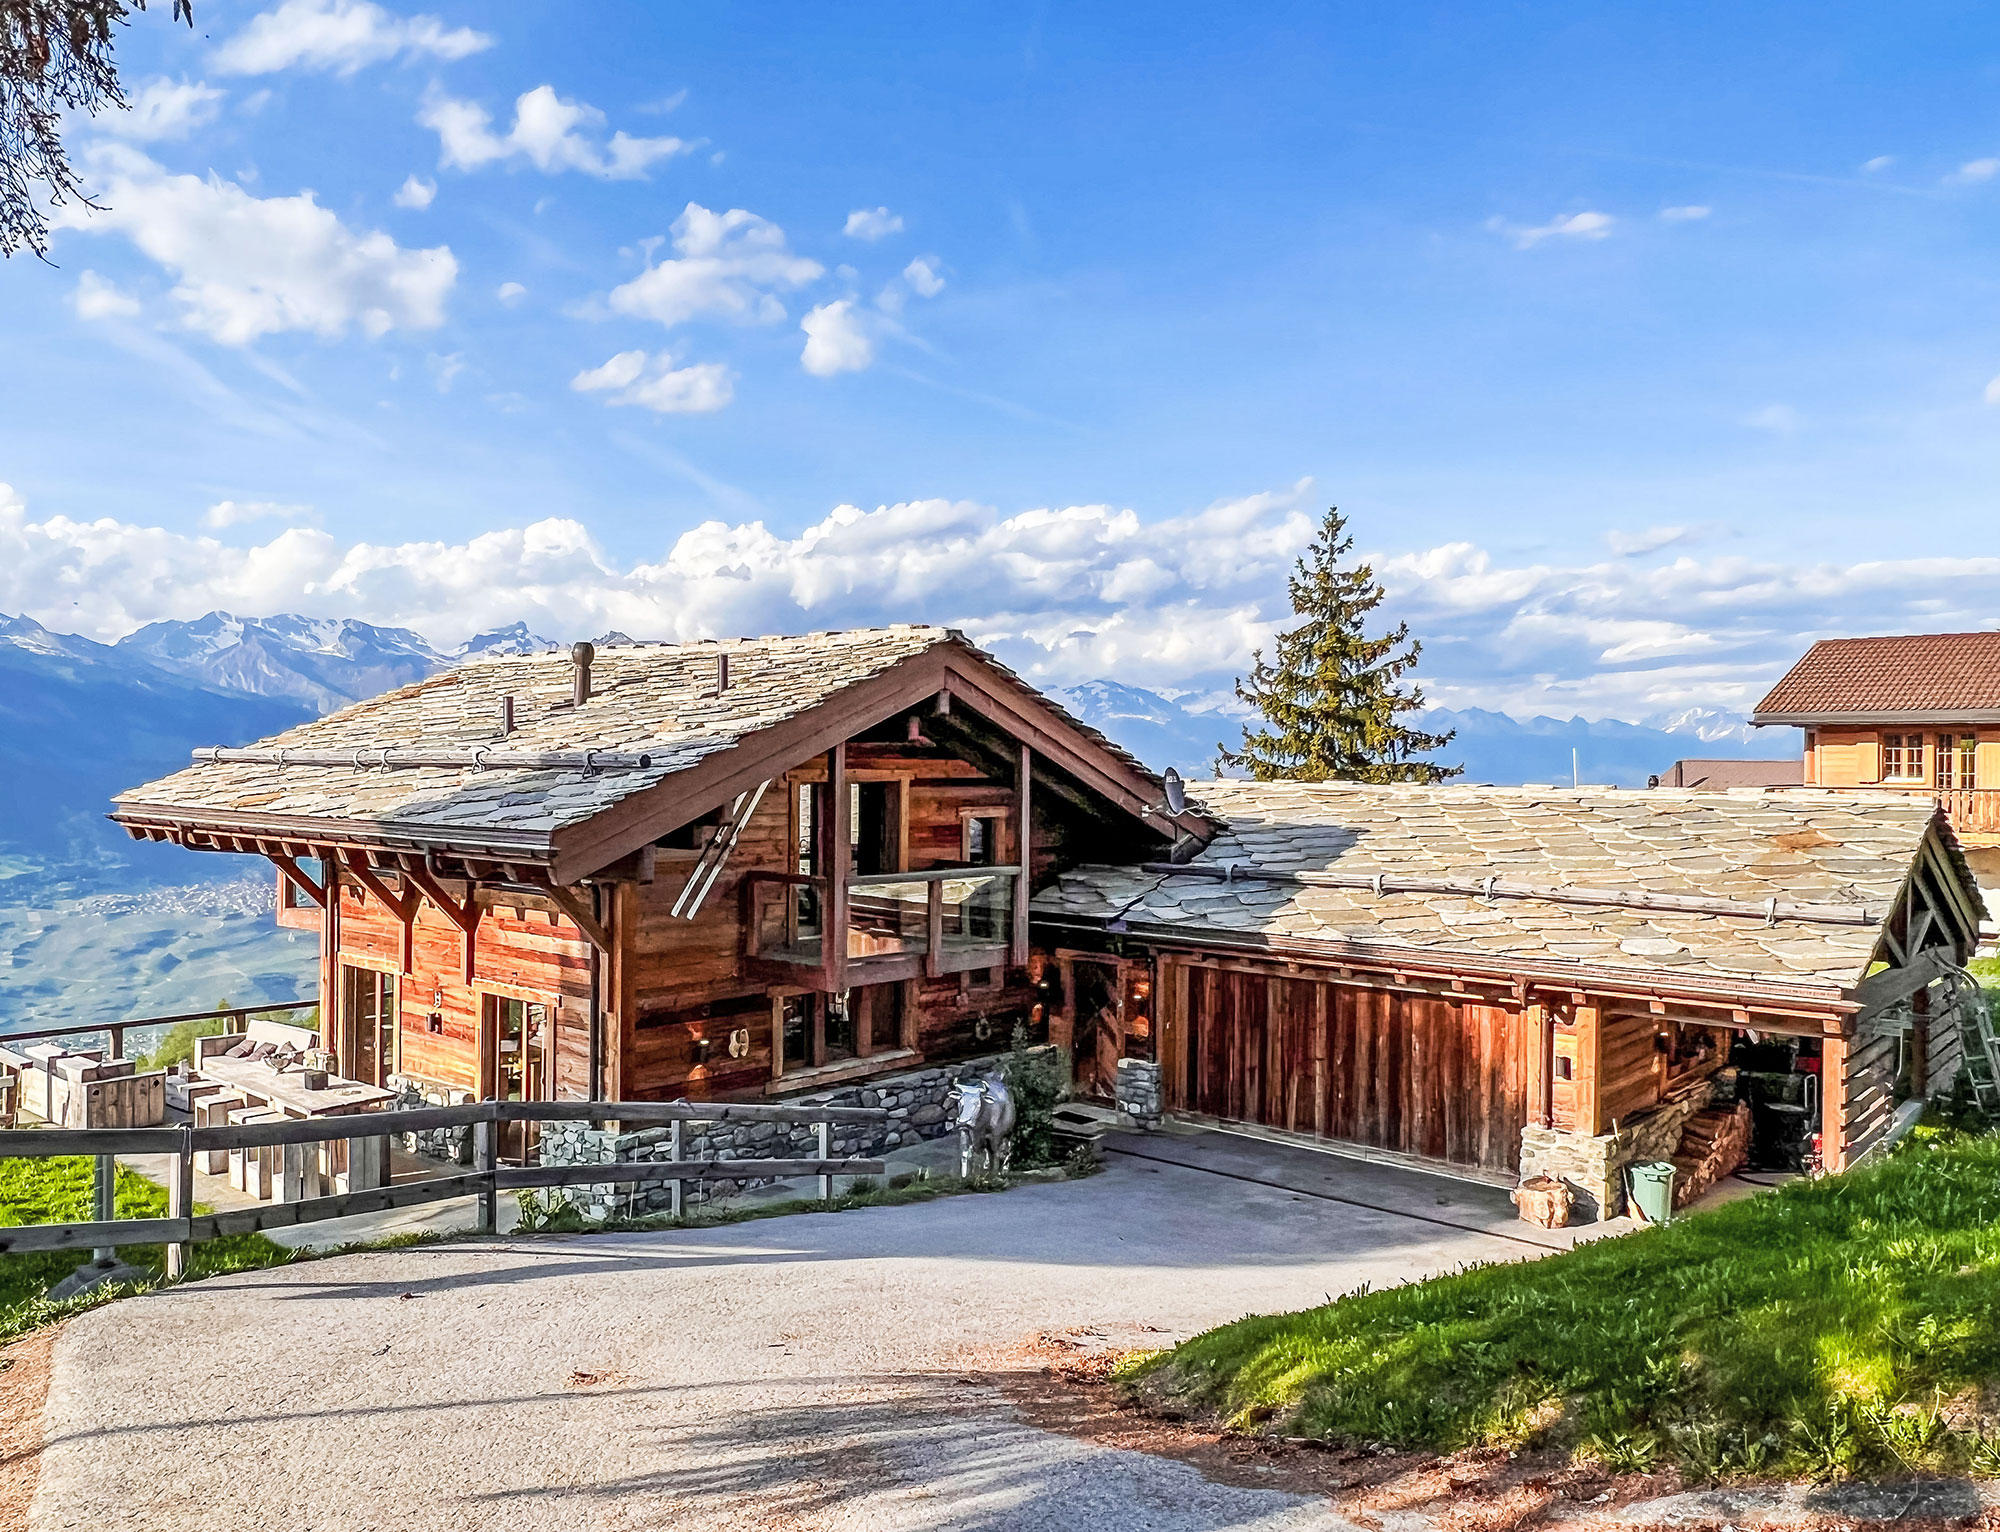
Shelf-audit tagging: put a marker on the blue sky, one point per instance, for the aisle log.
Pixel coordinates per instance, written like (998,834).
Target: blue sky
(1640,347)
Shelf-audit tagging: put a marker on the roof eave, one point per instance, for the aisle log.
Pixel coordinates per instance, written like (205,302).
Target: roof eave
(180,823)
(1864,717)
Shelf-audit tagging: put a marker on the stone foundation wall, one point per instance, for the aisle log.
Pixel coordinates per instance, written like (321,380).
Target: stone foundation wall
(1138,1094)
(915,1103)
(1593,1166)
(451,1144)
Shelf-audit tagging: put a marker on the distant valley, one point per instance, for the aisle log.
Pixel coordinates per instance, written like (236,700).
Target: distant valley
(94,926)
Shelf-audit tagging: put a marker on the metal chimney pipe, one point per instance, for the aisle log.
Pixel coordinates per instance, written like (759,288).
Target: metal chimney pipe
(507,714)
(580,656)
(722,673)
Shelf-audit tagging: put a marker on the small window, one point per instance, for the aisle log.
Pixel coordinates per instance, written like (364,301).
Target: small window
(982,840)
(692,836)
(1902,757)
(798,1030)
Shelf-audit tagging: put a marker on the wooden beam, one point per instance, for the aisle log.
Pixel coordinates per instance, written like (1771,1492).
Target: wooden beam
(1879,991)
(290,868)
(1024,836)
(1833,1103)
(839,866)
(1589,1061)
(579,912)
(403,908)
(465,915)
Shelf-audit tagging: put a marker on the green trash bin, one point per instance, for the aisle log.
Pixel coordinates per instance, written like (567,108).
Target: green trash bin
(1651,1186)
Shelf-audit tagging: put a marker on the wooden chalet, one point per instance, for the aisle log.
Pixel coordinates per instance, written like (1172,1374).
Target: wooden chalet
(1511,980)
(650,871)
(772,865)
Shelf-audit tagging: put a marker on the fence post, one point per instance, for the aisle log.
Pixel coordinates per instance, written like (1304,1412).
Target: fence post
(823,1131)
(486,1153)
(676,1186)
(105,1203)
(180,1202)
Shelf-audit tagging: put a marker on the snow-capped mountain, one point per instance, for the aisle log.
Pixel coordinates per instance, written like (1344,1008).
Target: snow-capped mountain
(323,662)
(515,638)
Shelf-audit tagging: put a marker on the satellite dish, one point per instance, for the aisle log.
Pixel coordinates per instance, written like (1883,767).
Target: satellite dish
(1176,792)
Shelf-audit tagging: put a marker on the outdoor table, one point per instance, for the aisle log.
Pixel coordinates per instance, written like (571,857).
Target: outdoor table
(353,1165)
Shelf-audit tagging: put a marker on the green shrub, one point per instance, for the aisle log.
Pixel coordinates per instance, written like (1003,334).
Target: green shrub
(1038,1080)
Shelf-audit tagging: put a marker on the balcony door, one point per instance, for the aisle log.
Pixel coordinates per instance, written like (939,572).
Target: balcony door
(518,1042)
(367,1024)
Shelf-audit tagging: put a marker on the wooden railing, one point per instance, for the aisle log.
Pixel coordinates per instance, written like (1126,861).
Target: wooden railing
(1974,810)
(486,1180)
(233,1018)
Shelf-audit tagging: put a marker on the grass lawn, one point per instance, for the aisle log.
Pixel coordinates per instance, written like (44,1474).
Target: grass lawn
(1843,1326)
(61,1191)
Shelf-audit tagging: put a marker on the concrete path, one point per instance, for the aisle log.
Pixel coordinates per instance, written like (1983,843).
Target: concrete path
(817,1371)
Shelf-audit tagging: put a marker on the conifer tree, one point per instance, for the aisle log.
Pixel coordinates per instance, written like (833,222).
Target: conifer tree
(1330,704)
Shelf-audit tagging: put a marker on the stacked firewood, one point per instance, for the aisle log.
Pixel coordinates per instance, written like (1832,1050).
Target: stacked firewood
(1713,1144)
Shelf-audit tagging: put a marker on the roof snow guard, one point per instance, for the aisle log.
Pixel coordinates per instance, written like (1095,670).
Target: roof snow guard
(1747,893)
(499,757)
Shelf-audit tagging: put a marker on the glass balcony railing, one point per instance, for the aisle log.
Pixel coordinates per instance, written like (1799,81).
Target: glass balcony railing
(953,918)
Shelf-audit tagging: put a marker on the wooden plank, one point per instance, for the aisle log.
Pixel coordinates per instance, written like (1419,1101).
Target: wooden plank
(1024,827)
(1321,1082)
(20,1143)
(91,1236)
(284,1215)
(678,1111)
(1587,1029)
(512,1177)
(840,867)
(308,1130)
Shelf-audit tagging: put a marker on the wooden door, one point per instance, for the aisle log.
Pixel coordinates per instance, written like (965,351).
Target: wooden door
(518,1038)
(1435,1078)
(1097,1012)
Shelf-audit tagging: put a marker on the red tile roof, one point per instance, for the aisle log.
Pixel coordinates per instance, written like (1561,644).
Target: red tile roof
(1720,775)
(1917,673)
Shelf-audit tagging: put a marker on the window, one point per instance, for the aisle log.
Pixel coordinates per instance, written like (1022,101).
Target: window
(874,827)
(798,1029)
(1957,757)
(982,840)
(1902,757)
(368,1024)
(692,836)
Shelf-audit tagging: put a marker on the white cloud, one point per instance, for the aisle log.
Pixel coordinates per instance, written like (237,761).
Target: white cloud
(1972,172)
(654,383)
(444,369)
(510,292)
(923,276)
(1779,419)
(163,108)
(1993,391)
(98,297)
(727,265)
(339,37)
(1691,213)
(415,193)
(236,513)
(872,223)
(1651,540)
(836,340)
(1066,593)
(247,266)
(1590,226)
(1877,165)
(550,133)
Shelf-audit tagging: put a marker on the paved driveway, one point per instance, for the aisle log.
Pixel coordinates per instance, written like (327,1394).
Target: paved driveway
(804,1372)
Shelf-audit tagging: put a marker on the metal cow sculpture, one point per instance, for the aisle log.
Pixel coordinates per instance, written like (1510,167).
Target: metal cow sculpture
(985,1122)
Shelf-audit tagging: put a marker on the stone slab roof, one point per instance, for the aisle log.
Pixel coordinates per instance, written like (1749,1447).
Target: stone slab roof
(1954,674)
(656,699)
(1801,847)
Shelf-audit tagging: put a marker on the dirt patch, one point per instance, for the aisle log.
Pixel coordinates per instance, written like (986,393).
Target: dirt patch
(24,1390)
(1062,1382)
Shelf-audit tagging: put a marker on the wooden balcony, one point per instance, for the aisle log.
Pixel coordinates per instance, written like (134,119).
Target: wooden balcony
(899,925)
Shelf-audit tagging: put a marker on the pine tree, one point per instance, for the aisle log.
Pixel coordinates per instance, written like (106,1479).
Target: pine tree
(1330,704)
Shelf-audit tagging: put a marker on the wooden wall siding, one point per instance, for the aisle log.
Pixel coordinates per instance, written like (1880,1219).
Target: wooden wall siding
(1852,757)
(1631,1069)
(1868,1097)
(528,954)
(1439,1079)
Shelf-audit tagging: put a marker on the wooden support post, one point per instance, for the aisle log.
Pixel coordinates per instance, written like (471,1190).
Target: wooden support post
(180,1201)
(1833,1103)
(676,1187)
(777,1037)
(823,1131)
(1588,1085)
(1024,837)
(934,930)
(1542,1069)
(486,1160)
(839,867)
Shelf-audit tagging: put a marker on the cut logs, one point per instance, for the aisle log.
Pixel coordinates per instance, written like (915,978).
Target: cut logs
(1713,1144)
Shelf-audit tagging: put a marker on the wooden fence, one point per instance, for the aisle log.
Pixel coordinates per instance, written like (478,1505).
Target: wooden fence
(486,1179)
(114,1032)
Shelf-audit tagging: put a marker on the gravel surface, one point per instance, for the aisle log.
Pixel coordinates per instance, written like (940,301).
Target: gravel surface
(815,1371)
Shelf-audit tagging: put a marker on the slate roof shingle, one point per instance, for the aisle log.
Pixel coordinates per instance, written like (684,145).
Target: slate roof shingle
(1800,847)
(1907,673)
(659,699)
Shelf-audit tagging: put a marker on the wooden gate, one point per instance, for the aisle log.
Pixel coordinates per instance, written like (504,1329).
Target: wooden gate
(1439,1079)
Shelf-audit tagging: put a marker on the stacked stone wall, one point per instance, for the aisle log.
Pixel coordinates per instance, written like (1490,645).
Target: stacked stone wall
(1593,1166)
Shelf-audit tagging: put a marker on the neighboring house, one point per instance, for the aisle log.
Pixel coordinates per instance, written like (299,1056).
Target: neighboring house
(1916,713)
(773,865)
(1722,774)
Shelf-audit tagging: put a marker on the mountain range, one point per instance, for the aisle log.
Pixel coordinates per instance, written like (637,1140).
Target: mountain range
(81,720)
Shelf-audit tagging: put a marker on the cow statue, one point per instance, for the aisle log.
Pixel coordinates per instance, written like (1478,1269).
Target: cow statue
(985,1122)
